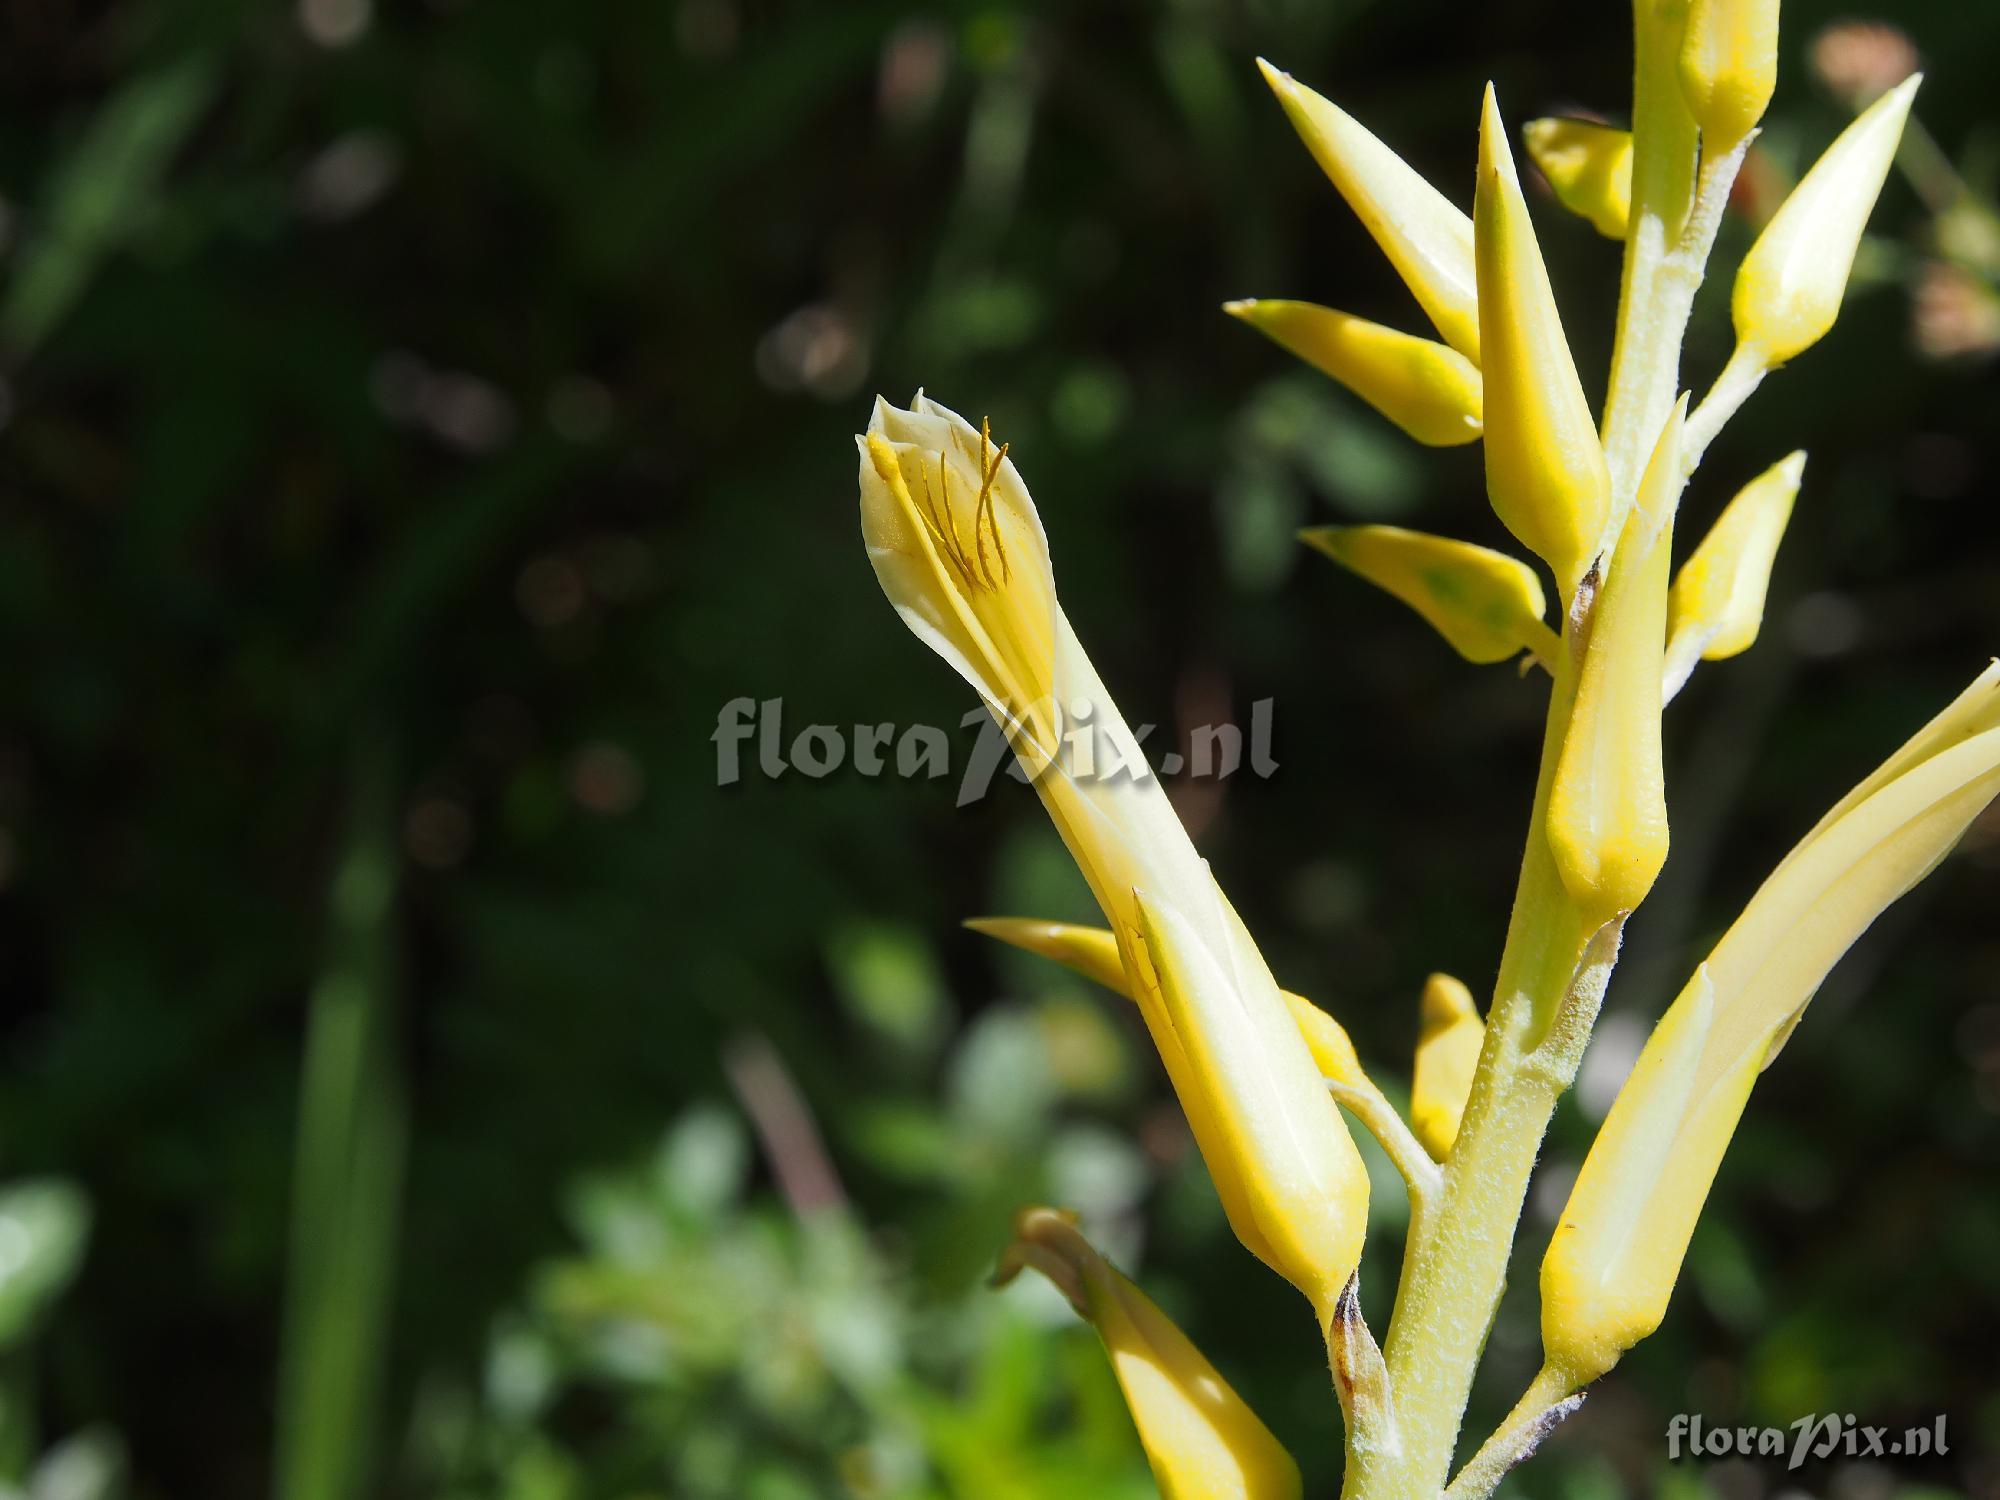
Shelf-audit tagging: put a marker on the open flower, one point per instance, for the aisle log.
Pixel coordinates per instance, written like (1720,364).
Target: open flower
(972,579)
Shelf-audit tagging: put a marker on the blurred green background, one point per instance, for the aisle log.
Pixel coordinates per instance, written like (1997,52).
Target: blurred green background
(417,422)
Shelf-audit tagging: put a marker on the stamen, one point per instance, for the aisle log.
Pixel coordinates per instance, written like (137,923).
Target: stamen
(981,505)
(947,540)
(992,507)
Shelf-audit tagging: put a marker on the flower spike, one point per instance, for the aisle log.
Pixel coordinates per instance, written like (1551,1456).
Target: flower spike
(1717,603)
(1427,239)
(1607,816)
(1612,1263)
(1202,1441)
(1428,389)
(1448,1049)
(1790,285)
(1545,470)
(1488,605)
(1590,168)
(1729,67)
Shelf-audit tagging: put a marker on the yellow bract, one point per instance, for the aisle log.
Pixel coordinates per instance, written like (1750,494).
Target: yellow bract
(1448,1048)
(1729,67)
(1093,953)
(1590,168)
(1607,817)
(1789,287)
(1614,1259)
(1488,605)
(1428,389)
(1426,238)
(1545,471)
(1202,1441)
(1717,603)
(972,580)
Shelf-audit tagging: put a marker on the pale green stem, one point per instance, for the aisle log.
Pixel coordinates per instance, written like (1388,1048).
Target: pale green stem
(1545,1403)
(1739,379)
(1422,1177)
(1453,1279)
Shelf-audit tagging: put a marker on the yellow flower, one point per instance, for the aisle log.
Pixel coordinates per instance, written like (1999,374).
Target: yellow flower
(1789,287)
(1607,815)
(1429,390)
(1427,239)
(1613,1260)
(1488,605)
(1729,67)
(1448,1047)
(1202,1441)
(972,580)
(1545,470)
(1717,603)
(1590,168)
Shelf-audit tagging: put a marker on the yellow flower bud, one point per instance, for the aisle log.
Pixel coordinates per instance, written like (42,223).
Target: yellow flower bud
(1612,1263)
(1428,389)
(1448,1048)
(1093,953)
(1488,605)
(1545,470)
(1789,287)
(1590,168)
(1427,239)
(1607,813)
(1202,1441)
(1717,602)
(1729,67)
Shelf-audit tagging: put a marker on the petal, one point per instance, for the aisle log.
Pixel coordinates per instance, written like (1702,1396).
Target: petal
(1488,605)
(1448,1047)
(1590,168)
(1717,603)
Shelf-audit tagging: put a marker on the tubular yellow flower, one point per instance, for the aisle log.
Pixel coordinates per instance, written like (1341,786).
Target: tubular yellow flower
(1612,1263)
(1545,471)
(1717,603)
(1590,168)
(1789,287)
(1607,815)
(1729,67)
(1447,1056)
(1427,239)
(970,575)
(1488,605)
(1429,390)
(1202,1441)
(1093,953)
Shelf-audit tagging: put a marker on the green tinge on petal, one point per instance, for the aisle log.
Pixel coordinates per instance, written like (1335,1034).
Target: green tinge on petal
(1589,166)
(1489,606)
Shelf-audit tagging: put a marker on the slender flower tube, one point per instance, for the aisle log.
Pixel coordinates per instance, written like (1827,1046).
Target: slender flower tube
(1488,605)
(1716,606)
(1202,1440)
(1607,816)
(1729,67)
(1617,1251)
(1790,285)
(1590,168)
(1428,389)
(1545,470)
(1093,953)
(1448,1046)
(1426,237)
(959,549)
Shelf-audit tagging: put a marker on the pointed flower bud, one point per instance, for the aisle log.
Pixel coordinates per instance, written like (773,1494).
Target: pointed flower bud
(1590,168)
(1607,814)
(1202,1441)
(1428,389)
(1448,1048)
(970,575)
(1093,953)
(1488,605)
(1717,602)
(1301,1179)
(1612,1263)
(1545,470)
(1427,239)
(1789,287)
(1729,67)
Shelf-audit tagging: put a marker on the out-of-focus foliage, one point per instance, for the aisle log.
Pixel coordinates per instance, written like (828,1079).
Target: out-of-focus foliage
(486,373)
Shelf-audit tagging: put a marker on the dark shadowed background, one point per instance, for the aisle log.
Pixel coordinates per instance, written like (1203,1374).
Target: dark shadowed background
(417,423)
